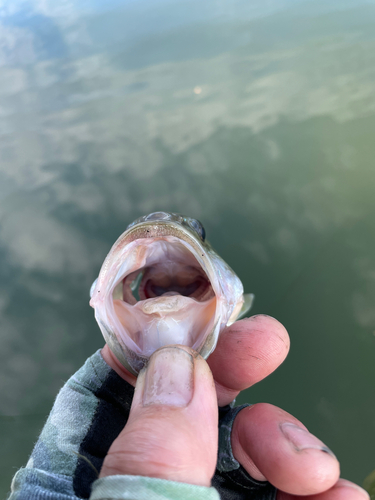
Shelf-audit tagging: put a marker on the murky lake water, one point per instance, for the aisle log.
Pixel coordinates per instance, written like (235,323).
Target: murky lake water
(258,118)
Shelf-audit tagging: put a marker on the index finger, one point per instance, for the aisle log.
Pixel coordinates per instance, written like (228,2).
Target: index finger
(246,353)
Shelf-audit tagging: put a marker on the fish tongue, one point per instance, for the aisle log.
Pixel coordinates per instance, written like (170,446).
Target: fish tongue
(168,303)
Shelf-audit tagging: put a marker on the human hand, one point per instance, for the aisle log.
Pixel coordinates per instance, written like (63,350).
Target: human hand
(172,428)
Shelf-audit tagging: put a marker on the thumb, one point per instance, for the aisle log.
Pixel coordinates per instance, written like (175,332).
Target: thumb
(172,431)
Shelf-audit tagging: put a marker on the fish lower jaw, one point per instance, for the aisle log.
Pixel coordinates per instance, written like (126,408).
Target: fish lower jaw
(161,321)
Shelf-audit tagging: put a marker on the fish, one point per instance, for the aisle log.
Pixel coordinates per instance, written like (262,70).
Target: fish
(163,284)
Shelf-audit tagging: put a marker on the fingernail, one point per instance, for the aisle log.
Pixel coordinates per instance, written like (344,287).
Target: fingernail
(301,439)
(169,378)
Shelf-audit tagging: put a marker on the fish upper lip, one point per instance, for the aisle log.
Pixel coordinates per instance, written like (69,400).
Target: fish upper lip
(157,226)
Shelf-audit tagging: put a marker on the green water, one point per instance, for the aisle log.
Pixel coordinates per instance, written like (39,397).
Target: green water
(258,118)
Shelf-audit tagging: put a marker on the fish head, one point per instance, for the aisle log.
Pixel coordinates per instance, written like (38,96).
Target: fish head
(163,284)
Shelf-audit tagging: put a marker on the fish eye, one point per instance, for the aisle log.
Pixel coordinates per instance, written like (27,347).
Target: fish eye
(198,228)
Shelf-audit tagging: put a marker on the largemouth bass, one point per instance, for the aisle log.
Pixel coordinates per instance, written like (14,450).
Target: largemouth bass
(162,284)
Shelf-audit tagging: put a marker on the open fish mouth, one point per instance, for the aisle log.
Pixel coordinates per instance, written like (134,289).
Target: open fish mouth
(162,284)
(167,300)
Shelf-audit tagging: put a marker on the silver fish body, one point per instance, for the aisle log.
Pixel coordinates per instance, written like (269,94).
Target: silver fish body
(163,284)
